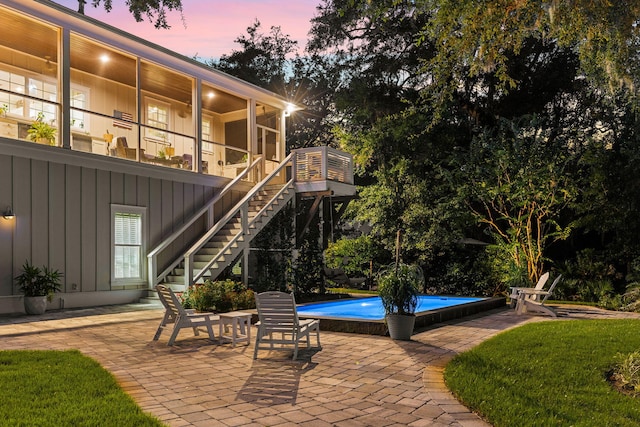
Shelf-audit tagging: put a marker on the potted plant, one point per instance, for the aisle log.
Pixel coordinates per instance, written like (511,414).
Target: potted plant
(38,285)
(42,132)
(398,289)
(4,108)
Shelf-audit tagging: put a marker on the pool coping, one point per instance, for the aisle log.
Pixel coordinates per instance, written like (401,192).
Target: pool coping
(423,318)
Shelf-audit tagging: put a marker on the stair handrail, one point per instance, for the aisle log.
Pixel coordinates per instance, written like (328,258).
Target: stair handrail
(225,248)
(188,256)
(152,257)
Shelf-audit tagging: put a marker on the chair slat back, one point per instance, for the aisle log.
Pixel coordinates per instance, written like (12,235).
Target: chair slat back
(170,300)
(542,281)
(551,288)
(277,310)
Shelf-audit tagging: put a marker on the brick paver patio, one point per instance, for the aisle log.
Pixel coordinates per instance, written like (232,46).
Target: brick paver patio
(355,380)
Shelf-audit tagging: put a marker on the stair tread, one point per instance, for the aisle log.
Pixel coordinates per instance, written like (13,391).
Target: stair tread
(232,230)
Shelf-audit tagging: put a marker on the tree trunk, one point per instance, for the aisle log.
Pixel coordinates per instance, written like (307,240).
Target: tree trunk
(398,244)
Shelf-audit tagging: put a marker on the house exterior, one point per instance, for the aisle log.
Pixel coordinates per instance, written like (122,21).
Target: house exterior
(126,165)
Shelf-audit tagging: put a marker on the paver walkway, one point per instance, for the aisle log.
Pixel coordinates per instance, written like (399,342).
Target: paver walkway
(355,380)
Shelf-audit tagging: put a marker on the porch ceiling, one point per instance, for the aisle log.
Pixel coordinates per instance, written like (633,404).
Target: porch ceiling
(22,34)
(27,43)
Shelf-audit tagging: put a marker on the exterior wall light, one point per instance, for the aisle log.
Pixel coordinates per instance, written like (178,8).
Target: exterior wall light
(290,109)
(8,213)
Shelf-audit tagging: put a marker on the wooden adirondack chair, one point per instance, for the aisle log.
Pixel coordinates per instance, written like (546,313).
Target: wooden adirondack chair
(277,316)
(180,317)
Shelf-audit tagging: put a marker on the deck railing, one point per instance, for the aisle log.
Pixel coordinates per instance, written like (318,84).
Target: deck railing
(323,163)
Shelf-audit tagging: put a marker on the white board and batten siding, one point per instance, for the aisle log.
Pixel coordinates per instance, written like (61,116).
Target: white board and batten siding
(63,219)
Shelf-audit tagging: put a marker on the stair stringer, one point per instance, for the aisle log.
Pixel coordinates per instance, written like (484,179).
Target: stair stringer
(260,205)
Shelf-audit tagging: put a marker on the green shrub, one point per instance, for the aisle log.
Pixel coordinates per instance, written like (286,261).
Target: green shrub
(505,269)
(219,296)
(589,277)
(627,371)
(39,282)
(355,255)
(629,301)
(462,270)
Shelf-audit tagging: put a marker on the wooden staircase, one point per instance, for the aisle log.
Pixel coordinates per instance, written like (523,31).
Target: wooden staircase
(224,240)
(224,246)
(317,171)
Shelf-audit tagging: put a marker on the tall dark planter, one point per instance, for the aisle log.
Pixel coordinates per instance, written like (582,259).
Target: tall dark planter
(400,326)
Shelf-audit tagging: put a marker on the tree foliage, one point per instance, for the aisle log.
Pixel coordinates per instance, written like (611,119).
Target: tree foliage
(270,60)
(474,39)
(154,10)
(520,182)
(263,59)
(511,123)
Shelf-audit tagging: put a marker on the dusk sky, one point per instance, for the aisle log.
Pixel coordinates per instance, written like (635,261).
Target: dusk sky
(211,25)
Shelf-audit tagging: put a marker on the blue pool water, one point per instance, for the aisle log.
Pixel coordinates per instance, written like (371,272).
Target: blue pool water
(371,308)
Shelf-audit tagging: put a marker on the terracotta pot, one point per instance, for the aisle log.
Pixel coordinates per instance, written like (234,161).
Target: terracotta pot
(35,305)
(400,326)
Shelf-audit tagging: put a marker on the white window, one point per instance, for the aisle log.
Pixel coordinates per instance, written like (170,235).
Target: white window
(207,134)
(14,83)
(127,249)
(157,119)
(80,100)
(47,92)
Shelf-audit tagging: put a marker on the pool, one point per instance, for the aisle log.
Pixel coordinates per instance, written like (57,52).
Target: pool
(366,315)
(371,308)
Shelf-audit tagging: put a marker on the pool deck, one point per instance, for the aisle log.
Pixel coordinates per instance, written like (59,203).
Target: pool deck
(355,380)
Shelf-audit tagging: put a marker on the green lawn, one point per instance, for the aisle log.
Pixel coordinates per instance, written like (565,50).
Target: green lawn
(63,388)
(549,373)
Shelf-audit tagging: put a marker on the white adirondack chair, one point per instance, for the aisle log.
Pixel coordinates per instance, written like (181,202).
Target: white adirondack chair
(529,300)
(180,317)
(516,290)
(279,324)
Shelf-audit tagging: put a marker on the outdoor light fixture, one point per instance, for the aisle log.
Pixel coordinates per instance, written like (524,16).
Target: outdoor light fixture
(290,109)
(8,213)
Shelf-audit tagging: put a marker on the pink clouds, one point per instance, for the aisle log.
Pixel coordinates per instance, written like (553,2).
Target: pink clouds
(212,25)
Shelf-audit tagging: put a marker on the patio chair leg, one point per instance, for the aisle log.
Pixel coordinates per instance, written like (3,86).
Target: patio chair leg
(295,350)
(161,326)
(158,332)
(174,335)
(258,339)
(210,331)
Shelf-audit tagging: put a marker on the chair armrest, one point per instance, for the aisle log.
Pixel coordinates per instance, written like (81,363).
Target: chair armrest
(534,292)
(192,313)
